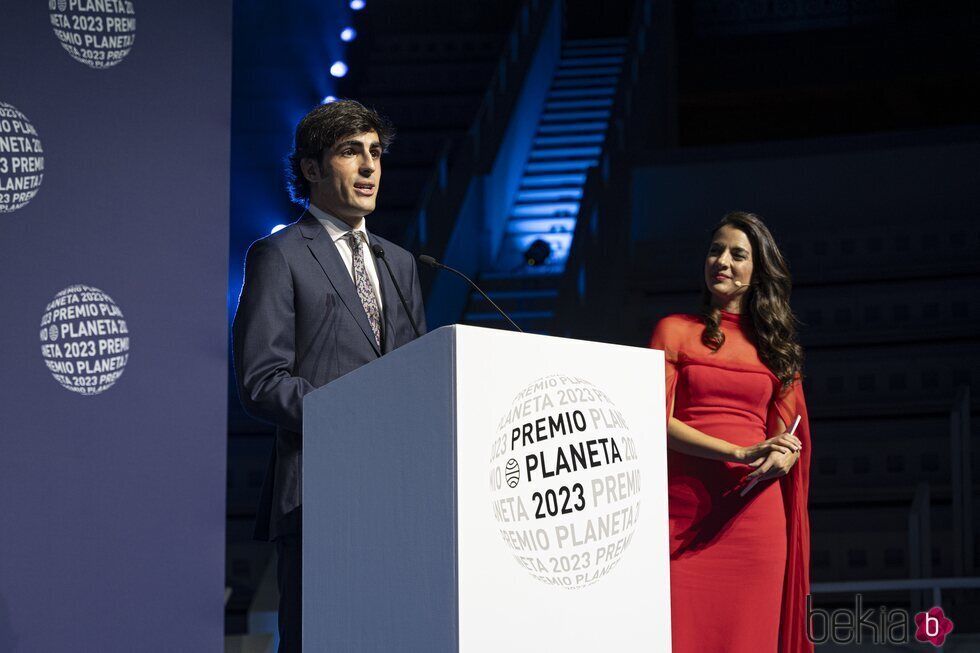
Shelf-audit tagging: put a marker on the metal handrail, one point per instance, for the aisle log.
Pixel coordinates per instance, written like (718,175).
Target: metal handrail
(971,582)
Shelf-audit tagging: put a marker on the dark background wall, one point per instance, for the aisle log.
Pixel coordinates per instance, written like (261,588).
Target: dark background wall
(852,129)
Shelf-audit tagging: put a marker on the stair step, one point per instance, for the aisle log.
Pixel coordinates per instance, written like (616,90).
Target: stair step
(493,316)
(558,105)
(514,301)
(562,166)
(591,71)
(564,152)
(599,91)
(578,62)
(543,326)
(541,227)
(576,115)
(503,280)
(546,271)
(545,210)
(574,127)
(536,181)
(607,50)
(585,82)
(549,195)
(577,139)
(510,295)
(570,139)
(595,42)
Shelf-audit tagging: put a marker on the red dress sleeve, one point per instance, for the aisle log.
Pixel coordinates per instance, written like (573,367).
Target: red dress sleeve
(796,487)
(666,337)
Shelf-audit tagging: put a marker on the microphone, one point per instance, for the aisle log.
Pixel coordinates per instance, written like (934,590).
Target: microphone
(739,284)
(432,263)
(379,253)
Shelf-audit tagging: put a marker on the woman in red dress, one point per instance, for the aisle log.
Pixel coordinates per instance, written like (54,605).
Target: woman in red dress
(737,479)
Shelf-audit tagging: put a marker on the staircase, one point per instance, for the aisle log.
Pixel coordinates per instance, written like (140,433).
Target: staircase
(569,140)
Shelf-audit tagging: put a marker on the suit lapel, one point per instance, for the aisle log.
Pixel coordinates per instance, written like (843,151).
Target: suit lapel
(389,299)
(326,254)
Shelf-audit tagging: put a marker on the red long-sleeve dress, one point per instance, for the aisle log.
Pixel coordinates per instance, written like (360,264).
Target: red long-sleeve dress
(739,565)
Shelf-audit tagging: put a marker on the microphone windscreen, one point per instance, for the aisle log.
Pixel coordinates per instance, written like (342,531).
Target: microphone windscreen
(378,250)
(428,260)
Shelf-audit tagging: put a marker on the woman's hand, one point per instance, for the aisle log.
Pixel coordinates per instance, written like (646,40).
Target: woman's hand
(757,454)
(775,465)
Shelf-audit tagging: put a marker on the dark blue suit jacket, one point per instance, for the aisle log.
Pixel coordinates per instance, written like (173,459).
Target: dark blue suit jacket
(300,325)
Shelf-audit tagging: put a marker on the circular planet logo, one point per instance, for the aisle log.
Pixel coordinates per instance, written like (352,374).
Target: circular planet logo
(21,159)
(97,33)
(565,485)
(84,340)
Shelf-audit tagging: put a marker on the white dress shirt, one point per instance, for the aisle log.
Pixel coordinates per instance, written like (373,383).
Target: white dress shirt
(337,229)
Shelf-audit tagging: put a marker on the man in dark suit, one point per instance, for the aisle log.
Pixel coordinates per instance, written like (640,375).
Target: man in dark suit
(315,305)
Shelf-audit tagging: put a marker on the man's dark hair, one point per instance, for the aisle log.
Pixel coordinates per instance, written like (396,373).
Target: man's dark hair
(321,128)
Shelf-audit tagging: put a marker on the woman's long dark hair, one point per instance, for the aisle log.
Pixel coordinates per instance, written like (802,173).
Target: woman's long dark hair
(767,299)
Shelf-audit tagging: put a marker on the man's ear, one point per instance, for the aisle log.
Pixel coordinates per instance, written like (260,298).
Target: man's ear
(311,170)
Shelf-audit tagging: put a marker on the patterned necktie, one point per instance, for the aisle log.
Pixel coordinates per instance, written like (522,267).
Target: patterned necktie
(364,288)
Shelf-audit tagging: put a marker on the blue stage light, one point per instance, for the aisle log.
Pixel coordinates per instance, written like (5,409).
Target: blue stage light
(348,34)
(357,5)
(328,99)
(278,227)
(338,69)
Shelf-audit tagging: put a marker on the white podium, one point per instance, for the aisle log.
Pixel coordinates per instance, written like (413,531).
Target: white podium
(486,491)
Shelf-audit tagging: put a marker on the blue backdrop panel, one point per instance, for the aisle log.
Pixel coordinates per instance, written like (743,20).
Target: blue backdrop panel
(114,130)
